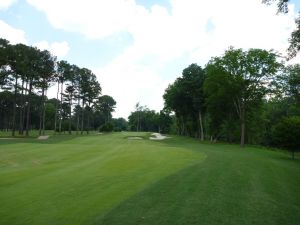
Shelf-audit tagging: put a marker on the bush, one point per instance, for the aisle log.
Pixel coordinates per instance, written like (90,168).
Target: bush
(107,127)
(286,134)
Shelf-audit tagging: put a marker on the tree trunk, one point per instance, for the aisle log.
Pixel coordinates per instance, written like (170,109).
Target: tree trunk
(88,122)
(21,123)
(25,108)
(242,126)
(61,102)
(41,111)
(70,112)
(82,117)
(14,109)
(201,126)
(28,108)
(182,126)
(44,114)
(137,126)
(77,124)
(56,108)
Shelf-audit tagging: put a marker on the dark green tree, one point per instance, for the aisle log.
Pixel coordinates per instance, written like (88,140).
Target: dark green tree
(107,105)
(248,75)
(286,134)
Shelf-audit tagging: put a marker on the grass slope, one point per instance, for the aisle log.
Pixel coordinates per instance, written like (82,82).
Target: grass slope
(108,179)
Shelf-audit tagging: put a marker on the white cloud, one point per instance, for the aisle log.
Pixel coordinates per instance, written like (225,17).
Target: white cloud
(13,35)
(166,35)
(59,49)
(93,18)
(5,4)
(130,83)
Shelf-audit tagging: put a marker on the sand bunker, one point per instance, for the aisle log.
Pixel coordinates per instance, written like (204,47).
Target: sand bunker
(134,138)
(43,137)
(158,136)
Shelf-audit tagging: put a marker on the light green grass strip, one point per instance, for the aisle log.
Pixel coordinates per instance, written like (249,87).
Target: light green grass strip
(67,180)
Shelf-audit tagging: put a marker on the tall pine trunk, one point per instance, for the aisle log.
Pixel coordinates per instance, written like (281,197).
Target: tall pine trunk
(25,107)
(82,116)
(14,108)
(70,113)
(56,108)
(44,114)
(77,117)
(21,122)
(61,103)
(28,108)
(41,111)
(88,123)
(88,120)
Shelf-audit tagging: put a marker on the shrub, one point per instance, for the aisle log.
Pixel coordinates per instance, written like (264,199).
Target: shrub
(107,127)
(286,134)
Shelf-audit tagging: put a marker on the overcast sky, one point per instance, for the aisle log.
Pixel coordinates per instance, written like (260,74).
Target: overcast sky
(137,47)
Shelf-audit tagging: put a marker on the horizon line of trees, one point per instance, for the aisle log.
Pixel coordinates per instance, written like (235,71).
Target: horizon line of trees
(26,74)
(145,120)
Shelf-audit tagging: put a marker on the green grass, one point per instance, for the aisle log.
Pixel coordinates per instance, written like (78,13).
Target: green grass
(108,179)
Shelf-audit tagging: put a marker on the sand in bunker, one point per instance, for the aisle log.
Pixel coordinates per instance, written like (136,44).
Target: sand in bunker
(43,137)
(158,136)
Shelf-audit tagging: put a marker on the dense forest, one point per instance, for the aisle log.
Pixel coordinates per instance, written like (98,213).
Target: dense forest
(26,75)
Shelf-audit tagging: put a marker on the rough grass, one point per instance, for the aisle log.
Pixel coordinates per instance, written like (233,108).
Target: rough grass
(108,179)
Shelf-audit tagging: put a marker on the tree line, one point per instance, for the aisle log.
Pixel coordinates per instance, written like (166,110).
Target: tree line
(27,73)
(144,119)
(241,96)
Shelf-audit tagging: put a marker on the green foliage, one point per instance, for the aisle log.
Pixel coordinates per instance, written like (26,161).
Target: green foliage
(107,105)
(27,71)
(143,119)
(107,127)
(186,98)
(120,124)
(236,84)
(286,134)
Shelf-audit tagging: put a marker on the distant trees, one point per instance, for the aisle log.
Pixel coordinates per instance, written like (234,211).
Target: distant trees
(26,73)
(120,124)
(144,119)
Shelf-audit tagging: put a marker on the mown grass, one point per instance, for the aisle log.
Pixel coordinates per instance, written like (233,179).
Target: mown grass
(108,179)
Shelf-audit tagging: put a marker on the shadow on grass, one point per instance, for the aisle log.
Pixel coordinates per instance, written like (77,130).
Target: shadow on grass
(231,186)
(153,205)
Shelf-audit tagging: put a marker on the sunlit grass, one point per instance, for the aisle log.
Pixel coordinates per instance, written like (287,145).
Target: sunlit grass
(109,179)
